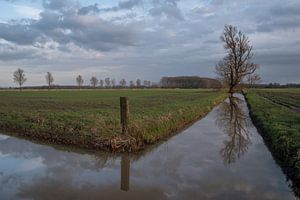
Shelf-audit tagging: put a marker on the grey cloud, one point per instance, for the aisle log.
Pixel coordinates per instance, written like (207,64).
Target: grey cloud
(166,7)
(125,5)
(273,57)
(51,4)
(22,34)
(287,9)
(279,24)
(88,32)
(122,5)
(11,52)
(280,17)
(89,9)
(128,16)
(129,4)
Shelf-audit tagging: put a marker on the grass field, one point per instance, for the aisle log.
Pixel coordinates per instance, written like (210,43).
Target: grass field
(90,118)
(276,114)
(286,97)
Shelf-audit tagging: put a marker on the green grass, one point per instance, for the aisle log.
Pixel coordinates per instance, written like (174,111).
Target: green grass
(90,118)
(279,124)
(286,97)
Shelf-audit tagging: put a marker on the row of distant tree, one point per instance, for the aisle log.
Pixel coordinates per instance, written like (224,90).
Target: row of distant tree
(108,82)
(278,85)
(189,82)
(19,78)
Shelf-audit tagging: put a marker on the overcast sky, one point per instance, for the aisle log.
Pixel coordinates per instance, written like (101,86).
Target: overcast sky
(144,39)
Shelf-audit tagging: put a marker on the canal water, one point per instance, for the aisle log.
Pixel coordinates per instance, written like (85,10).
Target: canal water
(219,157)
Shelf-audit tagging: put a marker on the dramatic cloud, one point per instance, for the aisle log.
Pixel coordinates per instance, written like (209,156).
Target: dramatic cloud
(166,7)
(122,5)
(143,39)
(12,52)
(89,9)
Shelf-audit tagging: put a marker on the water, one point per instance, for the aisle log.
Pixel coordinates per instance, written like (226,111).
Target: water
(220,157)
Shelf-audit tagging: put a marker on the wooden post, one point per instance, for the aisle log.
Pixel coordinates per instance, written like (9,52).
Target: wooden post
(124,111)
(125,173)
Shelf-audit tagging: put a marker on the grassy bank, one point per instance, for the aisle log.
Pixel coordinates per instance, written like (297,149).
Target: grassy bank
(90,118)
(276,115)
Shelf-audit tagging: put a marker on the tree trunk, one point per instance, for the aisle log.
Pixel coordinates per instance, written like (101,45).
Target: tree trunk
(231,91)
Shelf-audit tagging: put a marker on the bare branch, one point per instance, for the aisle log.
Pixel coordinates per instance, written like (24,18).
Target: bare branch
(19,77)
(49,79)
(237,64)
(94,81)
(79,81)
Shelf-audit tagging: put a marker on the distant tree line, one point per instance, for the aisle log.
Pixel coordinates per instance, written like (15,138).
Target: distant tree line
(252,81)
(19,78)
(278,85)
(189,82)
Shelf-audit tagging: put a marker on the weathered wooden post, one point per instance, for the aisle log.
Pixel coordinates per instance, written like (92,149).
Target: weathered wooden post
(125,161)
(125,173)
(124,111)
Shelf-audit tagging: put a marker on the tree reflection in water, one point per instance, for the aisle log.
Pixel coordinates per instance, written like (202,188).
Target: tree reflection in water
(233,120)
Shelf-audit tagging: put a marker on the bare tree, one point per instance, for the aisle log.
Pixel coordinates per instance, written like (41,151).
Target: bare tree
(94,81)
(138,83)
(237,64)
(253,79)
(145,83)
(101,83)
(154,85)
(113,83)
(107,82)
(123,82)
(131,84)
(79,81)
(49,79)
(19,77)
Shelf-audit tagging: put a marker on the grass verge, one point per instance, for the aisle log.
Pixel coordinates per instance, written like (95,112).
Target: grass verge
(90,118)
(280,128)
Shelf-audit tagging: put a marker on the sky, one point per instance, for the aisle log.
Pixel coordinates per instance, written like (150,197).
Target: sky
(145,39)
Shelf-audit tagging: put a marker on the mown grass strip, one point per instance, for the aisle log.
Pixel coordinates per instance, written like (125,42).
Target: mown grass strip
(280,128)
(286,97)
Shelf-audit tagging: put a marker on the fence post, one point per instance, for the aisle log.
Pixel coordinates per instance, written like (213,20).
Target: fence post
(124,112)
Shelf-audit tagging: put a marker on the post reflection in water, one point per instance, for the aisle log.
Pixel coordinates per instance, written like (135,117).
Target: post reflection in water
(233,120)
(125,172)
